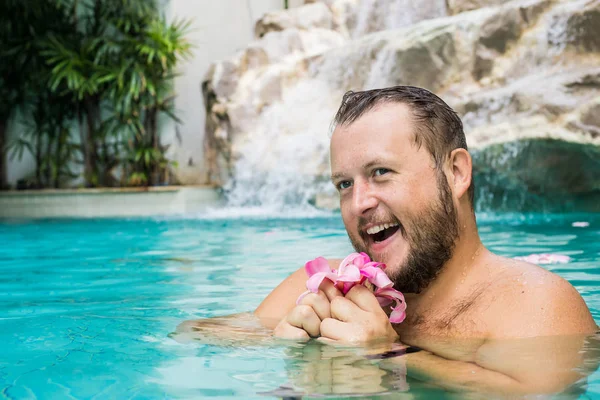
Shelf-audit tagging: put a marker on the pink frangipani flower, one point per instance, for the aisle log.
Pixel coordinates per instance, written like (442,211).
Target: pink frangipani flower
(355,269)
(545,258)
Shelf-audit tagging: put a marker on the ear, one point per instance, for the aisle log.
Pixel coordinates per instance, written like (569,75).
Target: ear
(461,171)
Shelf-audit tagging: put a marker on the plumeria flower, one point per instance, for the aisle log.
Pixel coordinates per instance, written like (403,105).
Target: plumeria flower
(356,269)
(545,258)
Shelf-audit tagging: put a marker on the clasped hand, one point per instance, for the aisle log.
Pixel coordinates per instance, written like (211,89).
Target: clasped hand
(328,315)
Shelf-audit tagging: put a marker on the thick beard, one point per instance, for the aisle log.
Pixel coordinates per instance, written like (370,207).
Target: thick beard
(431,236)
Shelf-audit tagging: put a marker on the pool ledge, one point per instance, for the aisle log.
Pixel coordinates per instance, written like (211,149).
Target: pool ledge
(108,202)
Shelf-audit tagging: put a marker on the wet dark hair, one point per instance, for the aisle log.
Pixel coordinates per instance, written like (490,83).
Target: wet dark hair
(437,125)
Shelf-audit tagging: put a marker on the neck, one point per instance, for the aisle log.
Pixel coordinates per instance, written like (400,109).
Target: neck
(467,254)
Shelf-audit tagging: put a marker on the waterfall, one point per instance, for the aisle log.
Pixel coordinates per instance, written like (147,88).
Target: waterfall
(279,161)
(283,162)
(511,82)
(380,15)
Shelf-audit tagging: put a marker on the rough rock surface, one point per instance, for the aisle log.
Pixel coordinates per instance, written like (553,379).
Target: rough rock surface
(520,71)
(316,15)
(459,6)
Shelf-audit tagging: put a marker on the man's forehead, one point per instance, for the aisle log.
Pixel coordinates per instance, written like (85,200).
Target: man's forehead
(384,125)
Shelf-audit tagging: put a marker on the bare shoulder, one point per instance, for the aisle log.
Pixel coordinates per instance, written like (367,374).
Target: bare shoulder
(283,298)
(532,301)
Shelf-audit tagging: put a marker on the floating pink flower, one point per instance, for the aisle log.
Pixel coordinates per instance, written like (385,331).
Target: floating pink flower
(580,224)
(545,258)
(356,269)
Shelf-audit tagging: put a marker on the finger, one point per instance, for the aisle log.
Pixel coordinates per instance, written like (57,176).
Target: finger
(327,341)
(305,317)
(330,290)
(363,298)
(284,330)
(344,309)
(333,330)
(319,303)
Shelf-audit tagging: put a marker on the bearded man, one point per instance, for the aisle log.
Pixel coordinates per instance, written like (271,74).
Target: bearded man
(400,163)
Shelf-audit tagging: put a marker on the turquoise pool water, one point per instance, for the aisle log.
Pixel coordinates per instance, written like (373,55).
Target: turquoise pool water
(86,306)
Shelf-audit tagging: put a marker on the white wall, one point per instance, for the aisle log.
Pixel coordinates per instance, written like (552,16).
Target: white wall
(219,28)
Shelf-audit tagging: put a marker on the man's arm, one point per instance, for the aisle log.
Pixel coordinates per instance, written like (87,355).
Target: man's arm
(246,328)
(517,366)
(283,298)
(249,328)
(534,344)
(231,330)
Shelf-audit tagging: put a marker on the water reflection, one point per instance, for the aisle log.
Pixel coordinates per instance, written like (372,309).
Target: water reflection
(320,369)
(442,367)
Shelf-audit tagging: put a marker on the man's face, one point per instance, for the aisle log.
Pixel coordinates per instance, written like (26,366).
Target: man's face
(395,205)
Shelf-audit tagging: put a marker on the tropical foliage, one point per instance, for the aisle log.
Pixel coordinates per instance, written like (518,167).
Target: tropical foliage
(90,79)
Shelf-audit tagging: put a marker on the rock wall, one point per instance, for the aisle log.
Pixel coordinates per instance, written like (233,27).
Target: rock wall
(516,71)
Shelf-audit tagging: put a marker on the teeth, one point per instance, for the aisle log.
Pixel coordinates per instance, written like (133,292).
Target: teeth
(378,228)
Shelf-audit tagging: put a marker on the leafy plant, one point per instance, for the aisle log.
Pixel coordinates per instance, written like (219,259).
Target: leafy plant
(103,68)
(23,80)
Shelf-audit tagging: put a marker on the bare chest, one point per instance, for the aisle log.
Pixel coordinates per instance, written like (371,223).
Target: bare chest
(455,330)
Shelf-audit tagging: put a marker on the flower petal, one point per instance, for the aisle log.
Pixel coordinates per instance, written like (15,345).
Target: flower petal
(398,313)
(382,266)
(365,258)
(390,293)
(376,276)
(350,274)
(384,301)
(346,261)
(319,264)
(347,287)
(315,281)
(545,258)
(397,316)
(303,295)
(357,259)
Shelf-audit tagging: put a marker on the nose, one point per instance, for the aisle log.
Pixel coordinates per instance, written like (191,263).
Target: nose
(363,198)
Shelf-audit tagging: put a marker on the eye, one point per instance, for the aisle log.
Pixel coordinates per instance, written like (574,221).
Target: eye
(380,171)
(343,185)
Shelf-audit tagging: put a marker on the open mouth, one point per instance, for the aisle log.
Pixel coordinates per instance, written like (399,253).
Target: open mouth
(380,233)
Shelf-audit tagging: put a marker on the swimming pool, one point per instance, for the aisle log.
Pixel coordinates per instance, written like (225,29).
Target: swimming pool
(86,306)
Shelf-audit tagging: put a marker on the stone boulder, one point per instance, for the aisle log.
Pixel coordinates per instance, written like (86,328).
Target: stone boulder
(224,78)
(523,75)
(542,106)
(431,59)
(316,15)
(502,30)
(459,6)
(587,119)
(386,15)
(276,47)
(345,16)
(583,27)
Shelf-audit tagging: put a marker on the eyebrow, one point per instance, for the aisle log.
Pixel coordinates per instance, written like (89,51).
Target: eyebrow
(372,163)
(368,165)
(336,176)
